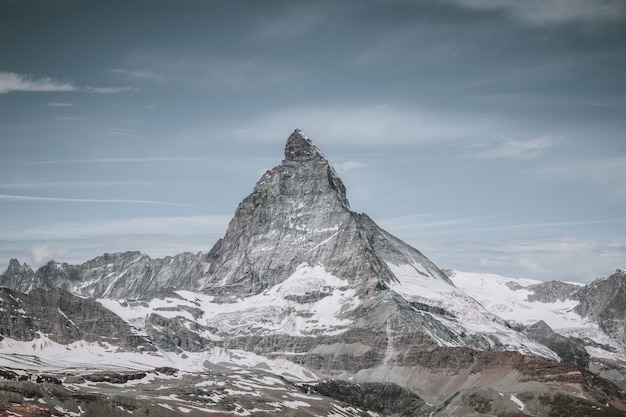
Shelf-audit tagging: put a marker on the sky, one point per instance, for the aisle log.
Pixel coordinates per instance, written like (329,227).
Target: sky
(490,135)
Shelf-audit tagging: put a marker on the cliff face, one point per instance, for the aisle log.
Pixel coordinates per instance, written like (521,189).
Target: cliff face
(128,275)
(298,213)
(604,301)
(65,318)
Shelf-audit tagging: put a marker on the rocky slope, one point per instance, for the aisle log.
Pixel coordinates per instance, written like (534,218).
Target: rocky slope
(298,213)
(130,275)
(66,318)
(304,287)
(604,301)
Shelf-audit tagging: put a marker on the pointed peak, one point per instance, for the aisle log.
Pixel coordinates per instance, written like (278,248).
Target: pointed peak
(15,267)
(300,148)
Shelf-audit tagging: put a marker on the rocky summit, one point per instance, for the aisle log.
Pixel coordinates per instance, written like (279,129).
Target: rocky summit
(298,214)
(305,307)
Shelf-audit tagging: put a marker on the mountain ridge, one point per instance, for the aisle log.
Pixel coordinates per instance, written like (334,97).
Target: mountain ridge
(302,285)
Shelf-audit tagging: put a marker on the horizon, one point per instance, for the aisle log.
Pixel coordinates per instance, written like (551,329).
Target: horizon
(488,136)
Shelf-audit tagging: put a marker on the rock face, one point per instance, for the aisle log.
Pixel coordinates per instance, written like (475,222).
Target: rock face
(604,301)
(65,318)
(552,291)
(298,213)
(129,275)
(570,350)
(18,277)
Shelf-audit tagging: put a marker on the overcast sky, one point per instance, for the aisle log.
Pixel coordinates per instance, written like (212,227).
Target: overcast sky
(490,135)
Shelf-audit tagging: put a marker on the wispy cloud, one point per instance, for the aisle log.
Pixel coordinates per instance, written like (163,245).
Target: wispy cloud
(139,73)
(11,81)
(59,104)
(542,12)
(22,198)
(281,24)
(77,242)
(459,243)
(424,221)
(65,184)
(558,258)
(109,90)
(162,226)
(350,166)
(361,124)
(541,259)
(604,173)
(122,160)
(440,224)
(512,149)
(212,73)
(42,253)
(14,82)
(68,118)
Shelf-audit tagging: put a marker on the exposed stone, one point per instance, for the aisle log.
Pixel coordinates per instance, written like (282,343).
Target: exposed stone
(552,291)
(603,301)
(65,318)
(570,350)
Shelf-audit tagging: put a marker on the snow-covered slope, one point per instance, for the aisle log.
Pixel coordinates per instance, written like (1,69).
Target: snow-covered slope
(515,300)
(508,298)
(310,302)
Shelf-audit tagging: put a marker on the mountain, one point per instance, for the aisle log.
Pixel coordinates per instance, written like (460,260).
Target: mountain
(298,213)
(304,289)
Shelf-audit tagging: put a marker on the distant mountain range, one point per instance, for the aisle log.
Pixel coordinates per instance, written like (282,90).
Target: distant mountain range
(305,307)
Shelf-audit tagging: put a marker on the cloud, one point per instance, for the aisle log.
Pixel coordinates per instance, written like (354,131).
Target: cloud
(109,90)
(512,149)
(605,173)
(214,72)
(580,252)
(123,160)
(59,104)
(430,225)
(139,73)
(349,166)
(42,253)
(22,198)
(144,226)
(359,124)
(543,12)
(292,21)
(541,259)
(423,221)
(66,184)
(76,243)
(10,81)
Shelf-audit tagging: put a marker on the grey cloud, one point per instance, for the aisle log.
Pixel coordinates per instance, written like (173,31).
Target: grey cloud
(366,125)
(109,90)
(607,173)
(42,253)
(542,259)
(17,198)
(512,149)
(59,104)
(11,81)
(163,226)
(542,12)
